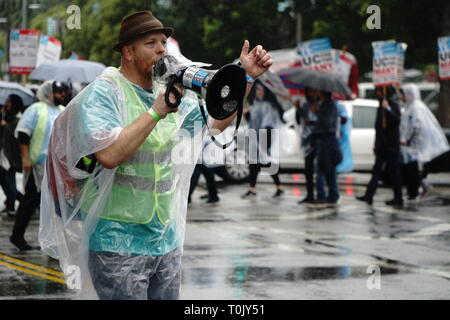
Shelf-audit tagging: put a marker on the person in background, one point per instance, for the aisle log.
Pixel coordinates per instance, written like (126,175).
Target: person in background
(10,153)
(264,113)
(387,146)
(421,139)
(33,134)
(208,173)
(304,115)
(329,154)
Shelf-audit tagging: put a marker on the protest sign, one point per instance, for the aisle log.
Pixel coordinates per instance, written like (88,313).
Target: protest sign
(23,50)
(316,54)
(388,61)
(444,57)
(49,50)
(342,63)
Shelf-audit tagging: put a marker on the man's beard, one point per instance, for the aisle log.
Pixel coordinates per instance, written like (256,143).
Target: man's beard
(59,101)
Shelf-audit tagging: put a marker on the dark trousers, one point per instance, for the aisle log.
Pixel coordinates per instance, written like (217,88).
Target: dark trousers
(330,177)
(8,183)
(254,171)
(411,178)
(27,207)
(392,162)
(208,173)
(309,174)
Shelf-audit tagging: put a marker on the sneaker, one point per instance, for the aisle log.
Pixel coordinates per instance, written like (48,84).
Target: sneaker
(249,194)
(279,193)
(306,200)
(11,213)
(204,197)
(365,199)
(318,204)
(332,204)
(21,244)
(426,190)
(397,204)
(213,200)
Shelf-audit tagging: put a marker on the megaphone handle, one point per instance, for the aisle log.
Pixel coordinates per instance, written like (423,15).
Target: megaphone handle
(171,88)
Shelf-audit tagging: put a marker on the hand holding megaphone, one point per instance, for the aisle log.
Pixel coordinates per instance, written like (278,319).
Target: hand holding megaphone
(160,106)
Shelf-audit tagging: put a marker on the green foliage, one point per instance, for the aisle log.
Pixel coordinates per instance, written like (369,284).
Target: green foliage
(214,31)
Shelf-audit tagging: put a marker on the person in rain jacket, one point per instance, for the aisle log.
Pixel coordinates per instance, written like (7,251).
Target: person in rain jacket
(264,113)
(421,138)
(33,134)
(116,184)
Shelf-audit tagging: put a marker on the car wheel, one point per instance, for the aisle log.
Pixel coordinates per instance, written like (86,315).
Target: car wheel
(234,173)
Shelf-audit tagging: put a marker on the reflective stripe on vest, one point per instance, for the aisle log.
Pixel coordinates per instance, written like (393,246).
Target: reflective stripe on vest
(143,186)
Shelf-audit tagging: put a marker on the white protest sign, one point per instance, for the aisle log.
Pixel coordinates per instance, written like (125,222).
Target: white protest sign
(49,50)
(444,57)
(388,60)
(316,54)
(23,49)
(342,63)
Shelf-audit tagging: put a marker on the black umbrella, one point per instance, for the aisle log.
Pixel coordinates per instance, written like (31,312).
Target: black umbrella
(320,80)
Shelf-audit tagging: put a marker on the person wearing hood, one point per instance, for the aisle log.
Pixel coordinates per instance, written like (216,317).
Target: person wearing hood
(11,161)
(264,114)
(421,138)
(33,134)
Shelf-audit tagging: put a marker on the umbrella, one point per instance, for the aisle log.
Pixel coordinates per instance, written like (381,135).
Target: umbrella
(69,70)
(325,81)
(7,88)
(273,82)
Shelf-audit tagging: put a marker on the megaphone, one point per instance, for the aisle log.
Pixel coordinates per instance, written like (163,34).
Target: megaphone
(223,90)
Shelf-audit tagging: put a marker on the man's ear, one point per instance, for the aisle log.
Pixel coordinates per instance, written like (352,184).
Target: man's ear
(127,52)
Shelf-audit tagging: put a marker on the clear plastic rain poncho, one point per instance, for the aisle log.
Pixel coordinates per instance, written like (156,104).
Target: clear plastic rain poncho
(136,209)
(420,130)
(28,124)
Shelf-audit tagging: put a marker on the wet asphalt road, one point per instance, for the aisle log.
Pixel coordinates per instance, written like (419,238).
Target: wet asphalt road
(278,249)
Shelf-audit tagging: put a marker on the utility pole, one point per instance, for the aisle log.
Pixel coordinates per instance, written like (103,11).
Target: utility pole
(298,34)
(24,14)
(23,77)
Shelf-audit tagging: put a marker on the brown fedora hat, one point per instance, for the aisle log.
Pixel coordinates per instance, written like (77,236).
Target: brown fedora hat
(138,24)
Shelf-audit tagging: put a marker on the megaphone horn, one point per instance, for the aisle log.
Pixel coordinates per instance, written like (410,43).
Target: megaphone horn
(223,90)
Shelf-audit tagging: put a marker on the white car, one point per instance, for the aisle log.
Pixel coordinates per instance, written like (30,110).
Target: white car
(429,92)
(362,113)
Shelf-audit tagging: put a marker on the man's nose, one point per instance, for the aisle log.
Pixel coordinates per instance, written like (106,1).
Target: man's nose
(161,48)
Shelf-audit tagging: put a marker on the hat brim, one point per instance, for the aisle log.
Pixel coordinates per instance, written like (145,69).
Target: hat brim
(167,31)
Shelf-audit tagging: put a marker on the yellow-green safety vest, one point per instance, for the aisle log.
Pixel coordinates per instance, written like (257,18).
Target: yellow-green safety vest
(38,135)
(143,186)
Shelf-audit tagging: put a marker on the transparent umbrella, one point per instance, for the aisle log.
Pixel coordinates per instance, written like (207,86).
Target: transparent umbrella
(69,70)
(7,88)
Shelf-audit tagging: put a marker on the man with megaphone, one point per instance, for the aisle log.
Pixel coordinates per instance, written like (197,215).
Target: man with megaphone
(114,201)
